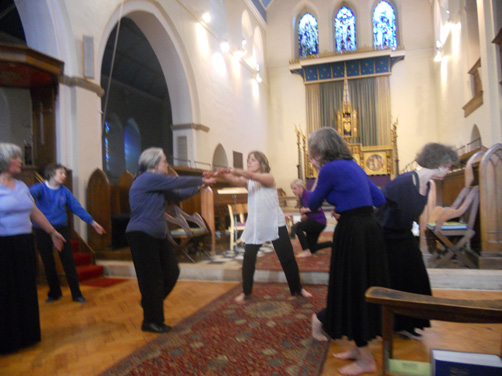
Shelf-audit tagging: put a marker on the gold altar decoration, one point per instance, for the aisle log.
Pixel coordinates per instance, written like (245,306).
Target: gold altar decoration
(375,160)
(347,122)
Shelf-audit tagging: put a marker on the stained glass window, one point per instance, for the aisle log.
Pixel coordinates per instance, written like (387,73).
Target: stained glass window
(308,36)
(384,26)
(345,30)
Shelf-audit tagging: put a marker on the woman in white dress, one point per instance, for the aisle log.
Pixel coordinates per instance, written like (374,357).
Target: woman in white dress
(265,222)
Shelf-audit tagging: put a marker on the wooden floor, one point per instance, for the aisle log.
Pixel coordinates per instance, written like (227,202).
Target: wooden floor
(85,339)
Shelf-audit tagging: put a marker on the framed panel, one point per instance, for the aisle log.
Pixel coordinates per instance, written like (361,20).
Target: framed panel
(375,163)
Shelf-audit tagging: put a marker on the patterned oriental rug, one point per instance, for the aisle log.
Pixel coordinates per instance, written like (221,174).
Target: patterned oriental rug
(269,334)
(319,262)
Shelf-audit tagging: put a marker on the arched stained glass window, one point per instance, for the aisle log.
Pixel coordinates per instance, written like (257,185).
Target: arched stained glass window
(384,26)
(345,30)
(308,36)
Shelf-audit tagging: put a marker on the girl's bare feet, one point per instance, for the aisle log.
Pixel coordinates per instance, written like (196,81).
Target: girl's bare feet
(317,331)
(304,254)
(240,298)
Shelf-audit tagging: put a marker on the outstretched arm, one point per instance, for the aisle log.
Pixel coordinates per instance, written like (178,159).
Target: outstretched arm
(264,178)
(228,176)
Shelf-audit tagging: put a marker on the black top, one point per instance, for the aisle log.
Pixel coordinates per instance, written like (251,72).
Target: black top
(404,204)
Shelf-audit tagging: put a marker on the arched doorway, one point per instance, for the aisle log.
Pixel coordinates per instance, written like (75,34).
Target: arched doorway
(220,157)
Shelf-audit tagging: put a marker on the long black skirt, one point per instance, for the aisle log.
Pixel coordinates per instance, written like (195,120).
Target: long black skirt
(19,315)
(407,273)
(358,262)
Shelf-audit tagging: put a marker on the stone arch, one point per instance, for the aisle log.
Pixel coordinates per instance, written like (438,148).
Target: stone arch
(476,136)
(57,37)
(160,32)
(219,157)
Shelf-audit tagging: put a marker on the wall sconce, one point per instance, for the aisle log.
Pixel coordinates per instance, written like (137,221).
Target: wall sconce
(240,53)
(206,17)
(224,46)
(258,76)
(439,49)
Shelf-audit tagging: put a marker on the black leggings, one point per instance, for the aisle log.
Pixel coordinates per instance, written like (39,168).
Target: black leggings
(284,251)
(157,271)
(308,233)
(46,250)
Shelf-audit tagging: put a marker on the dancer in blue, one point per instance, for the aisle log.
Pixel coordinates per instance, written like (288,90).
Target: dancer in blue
(52,198)
(358,258)
(153,256)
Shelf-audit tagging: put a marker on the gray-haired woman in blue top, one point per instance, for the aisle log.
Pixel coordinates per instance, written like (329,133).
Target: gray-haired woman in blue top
(153,257)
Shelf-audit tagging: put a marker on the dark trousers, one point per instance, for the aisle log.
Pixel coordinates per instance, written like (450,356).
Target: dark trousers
(46,249)
(284,251)
(157,271)
(308,233)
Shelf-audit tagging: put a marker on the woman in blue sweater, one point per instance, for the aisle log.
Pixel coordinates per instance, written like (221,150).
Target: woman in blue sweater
(52,198)
(358,258)
(154,259)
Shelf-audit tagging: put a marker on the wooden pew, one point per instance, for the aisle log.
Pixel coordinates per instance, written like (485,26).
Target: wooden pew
(105,203)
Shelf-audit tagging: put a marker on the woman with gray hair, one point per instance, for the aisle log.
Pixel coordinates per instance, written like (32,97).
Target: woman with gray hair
(406,197)
(358,258)
(153,257)
(19,315)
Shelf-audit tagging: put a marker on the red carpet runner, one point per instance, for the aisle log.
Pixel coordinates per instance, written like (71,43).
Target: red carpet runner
(269,334)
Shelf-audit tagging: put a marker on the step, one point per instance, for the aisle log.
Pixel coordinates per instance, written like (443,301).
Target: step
(82,258)
(89,272)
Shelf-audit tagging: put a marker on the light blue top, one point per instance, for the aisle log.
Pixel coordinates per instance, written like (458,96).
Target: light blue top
(16,206)
(53,202)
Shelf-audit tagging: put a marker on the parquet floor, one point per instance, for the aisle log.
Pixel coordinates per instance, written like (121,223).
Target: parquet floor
(85,339)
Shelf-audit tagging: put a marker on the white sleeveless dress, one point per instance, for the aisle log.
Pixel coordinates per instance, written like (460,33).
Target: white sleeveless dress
(264,215)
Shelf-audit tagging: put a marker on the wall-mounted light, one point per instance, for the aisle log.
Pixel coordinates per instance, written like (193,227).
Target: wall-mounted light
(241,52)
(224,46)
(258,76)
(206,17)
(439,48)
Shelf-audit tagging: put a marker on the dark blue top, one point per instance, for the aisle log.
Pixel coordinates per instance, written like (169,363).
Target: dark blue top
(318,215)
(53,203)
(147,196)
(344,184)
(404,205)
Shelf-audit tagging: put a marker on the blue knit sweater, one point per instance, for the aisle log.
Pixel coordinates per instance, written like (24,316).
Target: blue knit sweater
(53,203)
(344,184)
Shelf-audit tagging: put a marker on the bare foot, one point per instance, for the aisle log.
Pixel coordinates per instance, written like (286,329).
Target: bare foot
(240,298)
(304,254)
(358,368)
(352,354)
(305,293)
(317,331)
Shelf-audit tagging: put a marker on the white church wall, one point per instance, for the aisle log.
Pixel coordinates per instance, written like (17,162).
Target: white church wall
(454,83)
